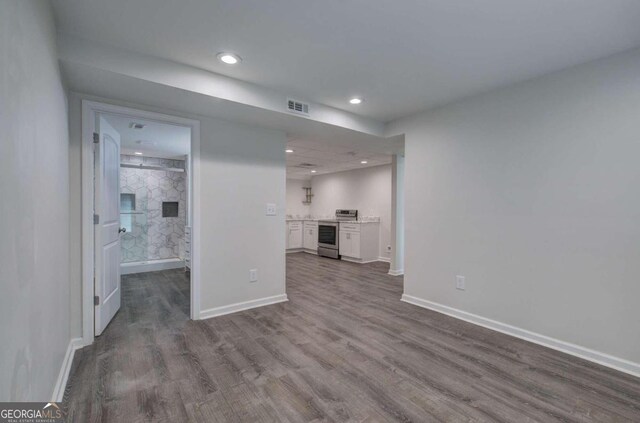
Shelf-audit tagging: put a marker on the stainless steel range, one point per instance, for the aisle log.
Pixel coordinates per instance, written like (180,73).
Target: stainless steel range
(329,233)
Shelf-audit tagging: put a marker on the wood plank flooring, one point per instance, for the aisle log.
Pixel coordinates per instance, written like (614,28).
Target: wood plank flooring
(344,348)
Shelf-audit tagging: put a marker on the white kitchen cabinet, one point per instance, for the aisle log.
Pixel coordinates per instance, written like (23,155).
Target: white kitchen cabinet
(310,237)
(294,235)
(359,242)
(349,244)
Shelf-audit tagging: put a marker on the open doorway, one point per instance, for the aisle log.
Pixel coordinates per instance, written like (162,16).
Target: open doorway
(140,244)
(342,200)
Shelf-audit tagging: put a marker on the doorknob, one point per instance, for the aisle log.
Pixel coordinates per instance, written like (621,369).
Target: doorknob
(122,230)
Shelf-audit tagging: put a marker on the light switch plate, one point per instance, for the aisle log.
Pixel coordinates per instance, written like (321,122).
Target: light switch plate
(271,209)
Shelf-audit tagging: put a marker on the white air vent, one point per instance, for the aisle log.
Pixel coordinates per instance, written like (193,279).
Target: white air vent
(298,107)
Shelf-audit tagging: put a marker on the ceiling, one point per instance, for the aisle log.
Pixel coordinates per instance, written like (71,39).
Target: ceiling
(401,56)
(154,140)
(323,158)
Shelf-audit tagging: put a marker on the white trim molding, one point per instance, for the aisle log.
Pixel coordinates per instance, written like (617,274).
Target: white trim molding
(65,369)
(295,250)
(399,272)
(306,250)
(355,260)
(598,357)
(246,305)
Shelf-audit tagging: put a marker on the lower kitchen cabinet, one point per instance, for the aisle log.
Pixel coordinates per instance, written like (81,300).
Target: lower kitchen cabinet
(294,235)
(310,236)
(349,244)
(359,242)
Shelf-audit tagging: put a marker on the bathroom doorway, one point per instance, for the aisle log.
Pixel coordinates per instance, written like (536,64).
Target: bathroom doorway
(143,168)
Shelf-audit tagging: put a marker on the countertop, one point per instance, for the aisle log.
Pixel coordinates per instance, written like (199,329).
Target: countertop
(316,219)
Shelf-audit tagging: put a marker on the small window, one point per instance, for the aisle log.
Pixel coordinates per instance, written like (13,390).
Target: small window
(169,209)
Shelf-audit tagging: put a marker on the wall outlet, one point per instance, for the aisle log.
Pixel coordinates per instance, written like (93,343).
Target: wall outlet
(253,275)
(460,284)
(271,209)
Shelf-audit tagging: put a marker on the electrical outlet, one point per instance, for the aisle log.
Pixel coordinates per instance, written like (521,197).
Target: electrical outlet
(271,209)
(460,283)
(253,275)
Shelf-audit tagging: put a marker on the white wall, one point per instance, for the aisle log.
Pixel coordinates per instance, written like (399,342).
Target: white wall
(397,216)
(368,190)
(242,169)
(75,213)
(34,187)
(295,196)
(531,192)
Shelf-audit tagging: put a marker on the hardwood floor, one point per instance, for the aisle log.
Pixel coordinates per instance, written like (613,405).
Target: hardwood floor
(344,348)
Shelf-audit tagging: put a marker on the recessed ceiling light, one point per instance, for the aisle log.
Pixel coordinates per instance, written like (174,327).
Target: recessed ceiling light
(313,171)
(288,150)
(137,153)
(364,162)
(355,100)
(229,58)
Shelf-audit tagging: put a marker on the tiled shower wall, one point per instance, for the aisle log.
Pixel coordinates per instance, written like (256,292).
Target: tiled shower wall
(151,236)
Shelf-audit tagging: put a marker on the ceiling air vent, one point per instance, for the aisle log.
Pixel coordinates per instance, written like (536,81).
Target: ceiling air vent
(297,107)
(305,165)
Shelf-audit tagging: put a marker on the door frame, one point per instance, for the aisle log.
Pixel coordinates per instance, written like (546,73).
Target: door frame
(89,111)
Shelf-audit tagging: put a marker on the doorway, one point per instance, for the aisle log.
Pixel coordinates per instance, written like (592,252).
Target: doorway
(140,170)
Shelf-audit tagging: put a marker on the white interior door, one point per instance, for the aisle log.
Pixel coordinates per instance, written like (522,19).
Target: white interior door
(107,224)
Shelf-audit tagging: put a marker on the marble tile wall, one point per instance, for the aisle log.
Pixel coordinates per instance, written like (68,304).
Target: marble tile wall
(151,236)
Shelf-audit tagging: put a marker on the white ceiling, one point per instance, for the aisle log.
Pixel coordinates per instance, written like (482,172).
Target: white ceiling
(154,140)
(401,56)
(326,158)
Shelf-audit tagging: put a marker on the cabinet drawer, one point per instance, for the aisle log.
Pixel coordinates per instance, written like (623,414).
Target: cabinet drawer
(310,224)
(353,227)
(294,225)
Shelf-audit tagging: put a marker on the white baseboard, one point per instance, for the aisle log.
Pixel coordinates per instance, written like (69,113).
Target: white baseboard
(150,266)
(63,375)
(305,250)
(604,359)
(396,272)
(359,261)
(246,305)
